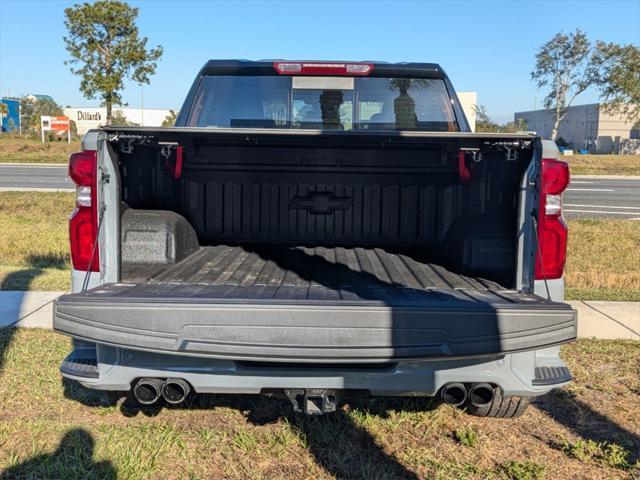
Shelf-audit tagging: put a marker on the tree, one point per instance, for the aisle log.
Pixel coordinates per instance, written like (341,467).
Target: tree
(120,120)
(567,65)
(170,120)
(620,82)
(105,49)
(519,125)
(483,122)
(31,109)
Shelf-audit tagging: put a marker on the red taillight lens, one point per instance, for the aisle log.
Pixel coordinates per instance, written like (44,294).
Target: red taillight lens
(82,168)
(83,224)
(319,68)
(555,176)
(552,231)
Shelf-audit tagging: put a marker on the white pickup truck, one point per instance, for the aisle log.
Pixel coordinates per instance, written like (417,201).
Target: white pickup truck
(318,230)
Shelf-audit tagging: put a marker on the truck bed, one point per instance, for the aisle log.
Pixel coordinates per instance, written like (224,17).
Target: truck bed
(312,273)
(283,304)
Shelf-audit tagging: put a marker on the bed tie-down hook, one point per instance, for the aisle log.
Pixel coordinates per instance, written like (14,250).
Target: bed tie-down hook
(166,150)
(465,171)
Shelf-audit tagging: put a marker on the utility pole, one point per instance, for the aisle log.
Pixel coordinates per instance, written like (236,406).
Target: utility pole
(142,104)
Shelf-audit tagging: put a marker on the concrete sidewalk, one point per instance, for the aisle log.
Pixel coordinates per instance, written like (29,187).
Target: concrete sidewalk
(609,320)
(27,309)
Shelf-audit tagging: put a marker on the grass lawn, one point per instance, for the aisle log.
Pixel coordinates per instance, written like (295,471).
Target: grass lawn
(604,164)
(603,261)
(14,149)
(34,250)
(51,429)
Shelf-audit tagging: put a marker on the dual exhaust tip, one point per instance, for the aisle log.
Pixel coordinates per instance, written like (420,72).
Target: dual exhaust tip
(148,391)
(457,394)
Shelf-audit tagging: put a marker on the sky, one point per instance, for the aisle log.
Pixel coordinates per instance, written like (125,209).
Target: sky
(484,46)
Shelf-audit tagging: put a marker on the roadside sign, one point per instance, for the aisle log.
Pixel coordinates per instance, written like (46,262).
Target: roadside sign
(59,124)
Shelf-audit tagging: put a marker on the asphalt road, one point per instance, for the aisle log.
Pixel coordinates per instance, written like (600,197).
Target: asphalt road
(594,197)
(34,177)
(587,197)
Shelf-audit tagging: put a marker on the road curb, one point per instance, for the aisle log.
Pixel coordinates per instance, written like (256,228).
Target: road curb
(607,177)
(33,164)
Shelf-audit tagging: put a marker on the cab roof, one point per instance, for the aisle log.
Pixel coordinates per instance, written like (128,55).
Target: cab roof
(266,67)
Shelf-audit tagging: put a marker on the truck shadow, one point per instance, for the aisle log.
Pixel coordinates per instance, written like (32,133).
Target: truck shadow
(336,442)
(72,459)
(587,423)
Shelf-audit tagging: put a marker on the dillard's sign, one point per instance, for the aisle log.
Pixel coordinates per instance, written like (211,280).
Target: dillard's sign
(86,116)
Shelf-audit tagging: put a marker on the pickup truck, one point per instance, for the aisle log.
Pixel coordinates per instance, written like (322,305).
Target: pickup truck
(318,230)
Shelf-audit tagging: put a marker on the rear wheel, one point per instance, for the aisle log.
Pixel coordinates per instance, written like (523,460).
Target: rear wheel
(500,407)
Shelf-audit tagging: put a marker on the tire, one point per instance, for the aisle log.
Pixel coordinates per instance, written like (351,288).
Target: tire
(500,407)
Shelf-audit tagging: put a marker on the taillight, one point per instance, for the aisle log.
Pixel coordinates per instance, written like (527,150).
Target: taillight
(323,68)
(83,224)
(552,230)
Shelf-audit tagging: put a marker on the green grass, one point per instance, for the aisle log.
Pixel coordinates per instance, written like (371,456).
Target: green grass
(604,164)
(53,430)
(610,455)
(466,436)
(19,149)
(522,470)
(34,249)
(603,261)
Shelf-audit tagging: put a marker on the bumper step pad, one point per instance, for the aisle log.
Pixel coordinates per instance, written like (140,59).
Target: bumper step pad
(551,375)
(80,367)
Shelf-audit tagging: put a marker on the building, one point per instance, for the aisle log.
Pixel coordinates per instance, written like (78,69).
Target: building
(583,127)
(87,118)
(9,114)
(468,101)
(37,96)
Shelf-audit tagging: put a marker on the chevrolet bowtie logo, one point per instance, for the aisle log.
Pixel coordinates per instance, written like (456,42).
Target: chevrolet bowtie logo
(321,203)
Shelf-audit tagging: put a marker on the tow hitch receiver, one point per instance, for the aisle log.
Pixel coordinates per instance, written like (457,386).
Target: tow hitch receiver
(312,401)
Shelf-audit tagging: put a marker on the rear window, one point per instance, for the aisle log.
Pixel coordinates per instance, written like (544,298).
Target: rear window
(326,103)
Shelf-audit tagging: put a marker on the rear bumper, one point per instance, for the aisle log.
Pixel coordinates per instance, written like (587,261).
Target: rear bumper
(314,332)
(528,373)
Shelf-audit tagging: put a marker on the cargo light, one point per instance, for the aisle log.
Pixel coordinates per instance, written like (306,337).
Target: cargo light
(552,230)
(320,68)
(83,223)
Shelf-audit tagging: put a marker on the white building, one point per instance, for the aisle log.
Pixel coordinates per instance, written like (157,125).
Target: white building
(90,117)
(468,101)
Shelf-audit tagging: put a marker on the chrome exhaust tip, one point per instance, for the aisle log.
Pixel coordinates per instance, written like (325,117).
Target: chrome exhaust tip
(147,391)
(175,390)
